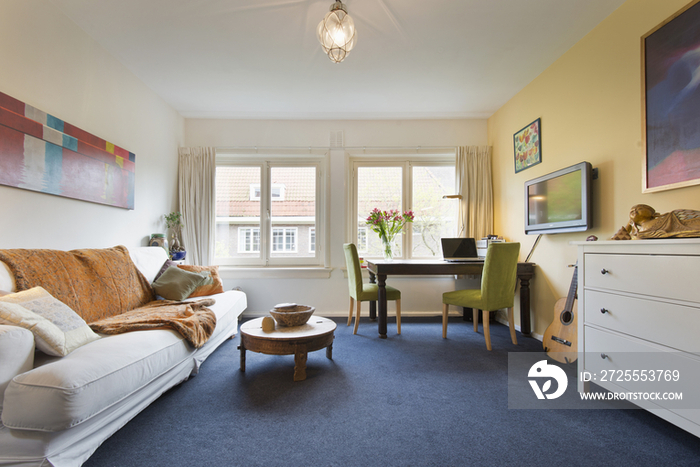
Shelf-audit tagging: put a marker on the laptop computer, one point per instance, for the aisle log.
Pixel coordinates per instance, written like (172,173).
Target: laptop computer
(459,249)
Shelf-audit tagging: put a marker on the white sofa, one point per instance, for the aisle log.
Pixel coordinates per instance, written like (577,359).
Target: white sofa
(58,410)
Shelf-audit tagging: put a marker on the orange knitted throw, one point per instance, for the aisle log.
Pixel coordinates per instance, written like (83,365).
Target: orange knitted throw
(192,320)
(95,283)
(99,284)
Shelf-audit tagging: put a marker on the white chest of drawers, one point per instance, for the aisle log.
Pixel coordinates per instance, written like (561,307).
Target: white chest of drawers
(640,296)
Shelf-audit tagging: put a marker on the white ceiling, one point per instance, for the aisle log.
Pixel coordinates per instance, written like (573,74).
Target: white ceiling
(413,59)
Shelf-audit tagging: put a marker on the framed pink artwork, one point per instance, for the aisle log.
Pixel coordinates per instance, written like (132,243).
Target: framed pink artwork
(42,153)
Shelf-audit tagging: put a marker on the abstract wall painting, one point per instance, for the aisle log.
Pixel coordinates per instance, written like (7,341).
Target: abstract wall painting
(671,102)
(527,144)
(40,152)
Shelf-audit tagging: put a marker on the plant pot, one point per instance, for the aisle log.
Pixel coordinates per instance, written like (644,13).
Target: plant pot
(178,255)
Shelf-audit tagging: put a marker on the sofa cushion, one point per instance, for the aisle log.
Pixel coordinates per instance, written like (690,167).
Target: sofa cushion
(149,260)
(57,329)
(97,376)
(17,350)
(215,287)
(177,284)
(75,388)
(167,265)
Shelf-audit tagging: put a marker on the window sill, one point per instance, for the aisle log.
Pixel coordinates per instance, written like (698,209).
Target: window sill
(231,272)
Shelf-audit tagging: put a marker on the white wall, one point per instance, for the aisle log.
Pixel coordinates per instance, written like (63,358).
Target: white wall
(303,133)
(51,64)
(330,295)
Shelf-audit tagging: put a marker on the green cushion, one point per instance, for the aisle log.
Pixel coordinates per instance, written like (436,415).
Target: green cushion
(177,284)
(497,281)
(359,291)
(471,297)
(370,292)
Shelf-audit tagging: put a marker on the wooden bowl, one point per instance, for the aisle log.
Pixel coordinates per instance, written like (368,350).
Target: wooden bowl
(292,315)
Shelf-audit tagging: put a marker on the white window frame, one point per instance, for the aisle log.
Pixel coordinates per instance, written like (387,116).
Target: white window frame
(266,160)
(277,188)
(361,243)
(254,192)
(242,245)
(400,158)
(312,239)
(285,231)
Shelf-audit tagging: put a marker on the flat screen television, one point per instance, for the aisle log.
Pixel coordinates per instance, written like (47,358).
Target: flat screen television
(560,201)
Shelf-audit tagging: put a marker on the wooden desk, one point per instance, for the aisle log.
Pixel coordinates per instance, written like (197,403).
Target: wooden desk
(379,270)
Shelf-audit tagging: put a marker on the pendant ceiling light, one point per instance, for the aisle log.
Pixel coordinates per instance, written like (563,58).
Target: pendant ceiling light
(336,32)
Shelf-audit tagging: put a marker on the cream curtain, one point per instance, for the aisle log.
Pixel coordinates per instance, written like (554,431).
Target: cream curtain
(474,183)
(196,186)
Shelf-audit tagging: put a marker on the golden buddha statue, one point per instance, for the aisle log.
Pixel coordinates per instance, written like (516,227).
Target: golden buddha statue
(645,222)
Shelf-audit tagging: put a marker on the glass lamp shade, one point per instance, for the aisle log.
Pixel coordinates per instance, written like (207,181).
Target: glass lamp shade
(336,33)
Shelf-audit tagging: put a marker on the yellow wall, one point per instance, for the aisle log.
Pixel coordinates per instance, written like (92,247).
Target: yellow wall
(589,101)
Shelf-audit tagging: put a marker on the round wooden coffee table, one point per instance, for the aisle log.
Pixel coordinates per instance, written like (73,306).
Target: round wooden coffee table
(316,334)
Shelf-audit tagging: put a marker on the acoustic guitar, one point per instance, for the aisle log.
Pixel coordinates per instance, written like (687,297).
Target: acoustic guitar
(560,338)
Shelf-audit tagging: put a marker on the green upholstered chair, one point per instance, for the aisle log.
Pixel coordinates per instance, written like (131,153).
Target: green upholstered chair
(360,292)
(497,290)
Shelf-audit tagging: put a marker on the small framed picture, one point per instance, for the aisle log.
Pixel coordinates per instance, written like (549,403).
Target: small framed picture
(527,144)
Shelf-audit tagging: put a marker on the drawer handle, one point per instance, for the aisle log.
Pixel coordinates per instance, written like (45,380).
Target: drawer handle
(603,356)
(603,310)
(604,271)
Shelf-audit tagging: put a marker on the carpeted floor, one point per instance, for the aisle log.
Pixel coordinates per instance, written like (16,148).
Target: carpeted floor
(410,400)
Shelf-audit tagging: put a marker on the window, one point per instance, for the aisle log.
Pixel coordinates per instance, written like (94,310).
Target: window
(269,210)
(312,239)
(277,192)
(248,240)
(435,217)
(417,184)
(284,240)
(362,239)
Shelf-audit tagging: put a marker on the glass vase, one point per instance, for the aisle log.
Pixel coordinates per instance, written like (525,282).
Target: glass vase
(388,247)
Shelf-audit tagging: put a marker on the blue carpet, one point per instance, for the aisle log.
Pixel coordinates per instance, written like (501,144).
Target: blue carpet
(410,400)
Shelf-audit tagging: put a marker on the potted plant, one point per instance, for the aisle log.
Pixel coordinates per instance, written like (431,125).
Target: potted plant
(174,222)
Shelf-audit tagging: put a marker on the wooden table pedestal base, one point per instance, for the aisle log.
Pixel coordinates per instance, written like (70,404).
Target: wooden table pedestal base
(316,334)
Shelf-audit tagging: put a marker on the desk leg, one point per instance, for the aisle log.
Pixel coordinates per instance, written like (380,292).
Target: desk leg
(372,304)
(466,314)
(382,305)
(525,306)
